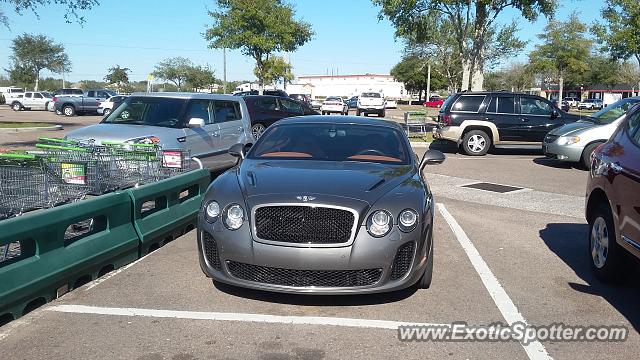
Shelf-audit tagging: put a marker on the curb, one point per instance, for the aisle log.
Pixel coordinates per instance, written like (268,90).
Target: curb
(42,128)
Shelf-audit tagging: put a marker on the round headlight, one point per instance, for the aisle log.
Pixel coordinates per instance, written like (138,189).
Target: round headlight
(407,219)
(379,223)
(212,210)
(234,217)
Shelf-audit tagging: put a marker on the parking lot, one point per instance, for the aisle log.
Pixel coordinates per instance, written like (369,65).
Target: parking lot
(500,257)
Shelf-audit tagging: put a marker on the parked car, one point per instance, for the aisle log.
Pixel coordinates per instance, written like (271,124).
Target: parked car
(334,104)
(572,101)
(576,141)
(316,104)
(321,205)
(9,93)
(89,102)
(30,100)
(564,105)
(264,110)
(206,125)
(302,98)
(371,103)
(613,196)
(352,102)
(68,92)
(478,120)
(391,104)
(105,107)
(590,104)
(434,101)
(264,92)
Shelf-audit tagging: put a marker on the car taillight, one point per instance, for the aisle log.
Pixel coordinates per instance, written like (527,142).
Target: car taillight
(446,119)
(54,99)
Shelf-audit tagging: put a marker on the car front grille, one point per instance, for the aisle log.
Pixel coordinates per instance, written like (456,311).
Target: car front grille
(402,262)
(303,224)
(303,278)
(550,138)
(211,250)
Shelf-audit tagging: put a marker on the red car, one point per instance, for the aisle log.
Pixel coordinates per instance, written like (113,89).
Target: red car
(434,101)
(613,202)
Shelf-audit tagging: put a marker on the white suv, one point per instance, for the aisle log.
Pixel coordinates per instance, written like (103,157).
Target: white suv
(371,103)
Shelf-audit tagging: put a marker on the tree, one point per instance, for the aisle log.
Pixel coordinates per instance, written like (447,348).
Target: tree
(620,34)
(629,73)
(473,25)
(602,70)
(564,50)
(258,28)
(276,70)
(36,53)
(118,76)
(200,77)
(515,77)
(21,75)
(413,72)
(73,8)
(174,70)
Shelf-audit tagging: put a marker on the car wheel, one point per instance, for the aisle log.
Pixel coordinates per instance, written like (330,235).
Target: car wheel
(608,260)
(16,106)
(106,112)
(381,114)
(68,110)
(476,143)
(258,130)
(586,154)
(425,279)
(358,112)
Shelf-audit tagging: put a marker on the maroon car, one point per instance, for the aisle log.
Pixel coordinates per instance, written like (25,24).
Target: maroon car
(613,202)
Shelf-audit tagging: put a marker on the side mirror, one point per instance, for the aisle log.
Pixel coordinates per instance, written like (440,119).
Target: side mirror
(196,123)
(432,157)
(239,150)
(555,114)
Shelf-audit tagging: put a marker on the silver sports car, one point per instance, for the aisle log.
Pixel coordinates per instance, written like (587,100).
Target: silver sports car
(321,205)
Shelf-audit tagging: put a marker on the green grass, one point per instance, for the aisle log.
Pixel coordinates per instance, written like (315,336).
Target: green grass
(428,137)
(22,125)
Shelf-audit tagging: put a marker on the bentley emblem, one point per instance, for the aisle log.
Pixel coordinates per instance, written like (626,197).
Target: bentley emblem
(306,198)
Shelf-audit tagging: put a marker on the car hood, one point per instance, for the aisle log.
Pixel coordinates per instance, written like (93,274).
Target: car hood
(362,181)
(573,127)
(118,132)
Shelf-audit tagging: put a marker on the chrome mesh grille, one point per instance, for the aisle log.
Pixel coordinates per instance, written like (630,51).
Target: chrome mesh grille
(303,224)
(402,262)
(211,250)
(303,278)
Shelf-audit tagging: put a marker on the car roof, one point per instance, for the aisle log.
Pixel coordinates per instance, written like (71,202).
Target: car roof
(339,119)
(186,95)
(265,97)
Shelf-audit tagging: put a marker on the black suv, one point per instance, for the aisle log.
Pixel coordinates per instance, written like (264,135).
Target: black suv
(264,110)
(264,92)
(478,120)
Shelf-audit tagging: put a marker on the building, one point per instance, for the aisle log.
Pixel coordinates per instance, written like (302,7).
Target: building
(607,93)
(348,85)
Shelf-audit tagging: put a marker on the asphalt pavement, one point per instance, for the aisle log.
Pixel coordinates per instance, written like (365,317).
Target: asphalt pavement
(504,257)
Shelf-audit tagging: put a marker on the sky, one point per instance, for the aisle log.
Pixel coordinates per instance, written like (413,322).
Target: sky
(137,34)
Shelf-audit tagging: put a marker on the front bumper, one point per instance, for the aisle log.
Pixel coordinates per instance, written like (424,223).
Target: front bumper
(238,247)
(568,153)
(372,108)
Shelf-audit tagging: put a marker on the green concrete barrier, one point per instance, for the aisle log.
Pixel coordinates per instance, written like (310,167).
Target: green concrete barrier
(63,248)
(167,209)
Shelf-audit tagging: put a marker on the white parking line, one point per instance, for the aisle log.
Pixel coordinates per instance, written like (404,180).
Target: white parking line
(108,276)
(221,316)
(535,349)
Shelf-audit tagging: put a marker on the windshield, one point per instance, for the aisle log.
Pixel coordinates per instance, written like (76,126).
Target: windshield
(154,111)
(48,95)
(371,95)
(614,111)
(332,142)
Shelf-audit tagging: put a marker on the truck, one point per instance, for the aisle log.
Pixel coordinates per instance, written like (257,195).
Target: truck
(10,92)
(371,102)
(87,103)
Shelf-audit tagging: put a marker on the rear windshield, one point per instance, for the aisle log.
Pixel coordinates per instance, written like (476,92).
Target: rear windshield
(332,142)
(153,111)
(371,95)
(333,99)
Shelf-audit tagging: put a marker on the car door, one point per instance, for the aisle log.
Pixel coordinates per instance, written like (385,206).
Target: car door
(203,142)
(291,107)
(27,100)
(266,110)
(624,157)
(537,118)
(39,102)
(228,118)
(502,111)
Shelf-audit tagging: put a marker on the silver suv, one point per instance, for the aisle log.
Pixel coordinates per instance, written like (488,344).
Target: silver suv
(206,125)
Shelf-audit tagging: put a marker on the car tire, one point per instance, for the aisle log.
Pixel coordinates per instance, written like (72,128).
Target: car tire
(381,114)
(586,154)
(476,143)
(358,112)
(609,262)
(68,110)
(16,106)
(257,130)
(425,279)
(106,112)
